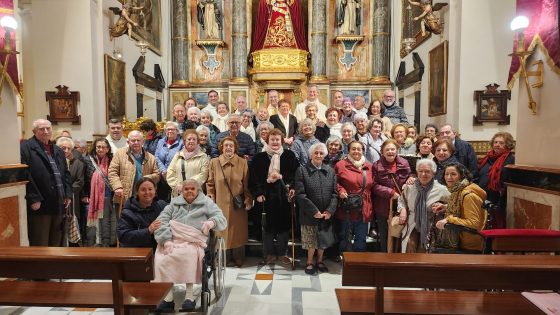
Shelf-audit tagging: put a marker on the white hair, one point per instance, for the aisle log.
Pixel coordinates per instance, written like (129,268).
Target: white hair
(306,122)
(231,116)
(428,162)
(36,123)
(205,112)
(203,128)
(194,182)
(65,139)
(173,124)
(81,142)
(319,146)
(194,108)
(265,123)
(135,133)
(351,126)
(334,138)
(360,116)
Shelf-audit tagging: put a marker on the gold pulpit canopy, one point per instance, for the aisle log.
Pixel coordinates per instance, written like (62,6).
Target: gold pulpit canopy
(279,64)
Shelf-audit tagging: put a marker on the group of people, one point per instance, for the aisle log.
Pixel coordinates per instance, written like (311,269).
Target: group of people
(333,171)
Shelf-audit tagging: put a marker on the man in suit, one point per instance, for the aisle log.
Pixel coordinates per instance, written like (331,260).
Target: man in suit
(49,189)
(464,151)
(285,121)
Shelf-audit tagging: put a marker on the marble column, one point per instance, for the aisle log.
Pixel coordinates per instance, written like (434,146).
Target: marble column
(319,41)
(381,39)
(180,43)
(239,41)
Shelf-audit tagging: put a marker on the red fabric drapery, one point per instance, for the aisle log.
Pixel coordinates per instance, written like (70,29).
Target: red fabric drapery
(543,25)
(263,21)
(7,8)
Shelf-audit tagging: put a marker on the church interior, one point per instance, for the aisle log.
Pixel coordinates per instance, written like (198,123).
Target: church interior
(80,63)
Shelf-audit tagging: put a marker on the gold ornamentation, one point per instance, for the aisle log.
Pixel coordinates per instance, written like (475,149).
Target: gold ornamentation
(278,35)
(128,126)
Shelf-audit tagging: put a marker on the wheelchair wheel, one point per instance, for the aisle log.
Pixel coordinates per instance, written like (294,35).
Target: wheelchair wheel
(219,267)
(205,301)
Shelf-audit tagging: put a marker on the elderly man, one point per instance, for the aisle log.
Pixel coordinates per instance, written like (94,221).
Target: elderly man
(312,97)
(338,98)
(129,165)
(392,110)
(115,136)
(241,105)
(49,188)
(464,151)
(180,116)
(246,144)
(213,100)
(273,99)
(414,206)
(360,104)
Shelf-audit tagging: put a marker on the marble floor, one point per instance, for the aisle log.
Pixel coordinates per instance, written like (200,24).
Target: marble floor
(252,289)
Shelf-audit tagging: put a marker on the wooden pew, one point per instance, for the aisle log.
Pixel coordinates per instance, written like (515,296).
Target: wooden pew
(463,272)
(129,269)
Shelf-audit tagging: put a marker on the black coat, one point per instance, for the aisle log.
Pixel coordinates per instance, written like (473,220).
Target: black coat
(132,228)
(289,131)
(439,175)
(464,153)
(315,191)
(276,205)
(42,185)
(497,197)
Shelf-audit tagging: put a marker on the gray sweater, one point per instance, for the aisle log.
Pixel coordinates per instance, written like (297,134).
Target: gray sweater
(201,209)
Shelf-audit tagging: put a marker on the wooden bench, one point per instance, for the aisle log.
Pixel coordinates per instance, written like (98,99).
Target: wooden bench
(129,269)
(463,272)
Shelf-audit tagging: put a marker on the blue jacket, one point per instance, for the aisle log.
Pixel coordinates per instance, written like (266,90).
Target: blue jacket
(164,154)
(132,228)
(246,144)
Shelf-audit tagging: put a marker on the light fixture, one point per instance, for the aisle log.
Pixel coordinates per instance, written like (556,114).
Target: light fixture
(9,24)
(519,24)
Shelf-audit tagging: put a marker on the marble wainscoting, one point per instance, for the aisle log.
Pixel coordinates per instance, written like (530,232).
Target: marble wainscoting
(533,199)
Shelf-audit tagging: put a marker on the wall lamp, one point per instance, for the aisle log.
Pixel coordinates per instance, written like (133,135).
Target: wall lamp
(9,24)
(519,24)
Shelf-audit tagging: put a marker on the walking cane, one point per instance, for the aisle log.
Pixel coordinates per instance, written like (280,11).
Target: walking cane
(389,236)
(121,203)
(263,230)
(293,207)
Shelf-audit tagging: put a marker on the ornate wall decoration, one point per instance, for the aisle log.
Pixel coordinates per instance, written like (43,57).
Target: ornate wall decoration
(491,105)
(63,106)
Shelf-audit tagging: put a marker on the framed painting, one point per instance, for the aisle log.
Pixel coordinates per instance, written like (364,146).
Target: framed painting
(411,28)
(63,106)
(147,13)
(491,105)
(437,81)
(115,91)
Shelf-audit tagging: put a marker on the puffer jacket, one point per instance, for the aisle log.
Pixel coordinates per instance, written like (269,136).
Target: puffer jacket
(132,228)
(384,186)
(472,216)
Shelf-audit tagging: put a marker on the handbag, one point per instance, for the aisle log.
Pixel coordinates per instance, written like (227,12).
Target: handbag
(396,227)
(237,199)
(355,201)
(72,226)
(325,234)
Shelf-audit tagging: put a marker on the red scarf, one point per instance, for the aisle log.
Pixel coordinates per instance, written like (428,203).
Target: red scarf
(97,192)
(495,173)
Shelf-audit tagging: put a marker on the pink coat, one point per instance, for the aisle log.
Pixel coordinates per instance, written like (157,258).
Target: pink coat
(349,179)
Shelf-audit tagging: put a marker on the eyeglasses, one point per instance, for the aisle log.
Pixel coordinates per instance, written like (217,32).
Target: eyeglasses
(171,129)
(234,122)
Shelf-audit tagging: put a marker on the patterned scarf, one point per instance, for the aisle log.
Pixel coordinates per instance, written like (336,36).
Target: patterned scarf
(495,173)
(274,168)
(421,209)
(454,205)
(97,191)
(187,155)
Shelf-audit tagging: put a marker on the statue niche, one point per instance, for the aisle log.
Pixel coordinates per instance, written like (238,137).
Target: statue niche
(279,47)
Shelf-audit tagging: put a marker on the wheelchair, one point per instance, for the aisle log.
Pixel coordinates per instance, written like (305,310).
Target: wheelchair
(213,266)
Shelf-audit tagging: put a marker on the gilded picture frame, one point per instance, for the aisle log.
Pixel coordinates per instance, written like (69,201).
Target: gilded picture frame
(115,89)
(437,80)
(149,22)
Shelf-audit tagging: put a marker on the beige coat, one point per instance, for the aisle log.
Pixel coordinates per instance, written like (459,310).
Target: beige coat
(236,170)
(195,168)
(123,169)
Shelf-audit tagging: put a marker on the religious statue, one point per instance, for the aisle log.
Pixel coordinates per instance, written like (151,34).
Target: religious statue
(279,25)
(209,16)
(349,17)
(429,21)
(124,23)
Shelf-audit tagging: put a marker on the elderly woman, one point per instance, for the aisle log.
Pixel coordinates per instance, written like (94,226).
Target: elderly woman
(262,115)
(166,149)
(228,178)
(315,185)
(389,174)
(101,218)
(76,168)
(361,123)
(203,136)
(151,135)
(262,131)
(304,140)
(464,207)
(272,183)
(354,182)
(415,205)
(138,220)
(220,120)
(443,154)
(189,163)
(206,120)
(181,238)
(493,173)
(347,111)
(425,146)
(407,147)
(286,122)
(247,123)
(376,111)
(193,114)
(431,131)
(348,131)
(334,151)
(321,130)
(333,121)
(373,140)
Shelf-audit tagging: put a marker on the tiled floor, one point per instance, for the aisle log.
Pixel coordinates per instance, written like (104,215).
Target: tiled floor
(252,289)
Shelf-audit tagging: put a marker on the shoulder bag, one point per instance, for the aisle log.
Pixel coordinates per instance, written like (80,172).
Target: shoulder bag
(355,201)
(237,200)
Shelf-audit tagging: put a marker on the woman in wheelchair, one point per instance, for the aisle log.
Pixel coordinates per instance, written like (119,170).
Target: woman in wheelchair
(464,209)
(181,238)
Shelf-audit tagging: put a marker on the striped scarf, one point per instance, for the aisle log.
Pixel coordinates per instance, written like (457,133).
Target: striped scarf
(57,179)
(421,209)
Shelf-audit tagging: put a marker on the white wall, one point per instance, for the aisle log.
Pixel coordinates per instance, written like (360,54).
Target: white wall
(479,44)
(10,133)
